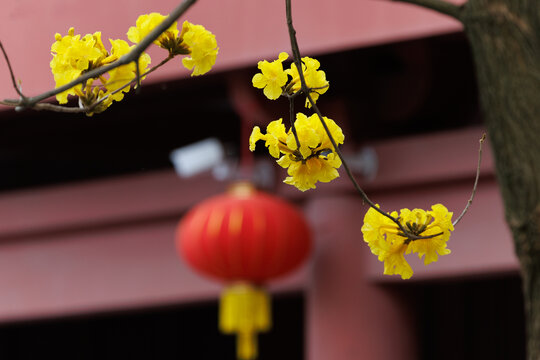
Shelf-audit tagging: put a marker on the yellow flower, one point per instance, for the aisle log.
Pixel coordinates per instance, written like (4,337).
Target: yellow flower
(202,47)
(437,221)
(305,174)
(390,244)
(375,230)
(124,74)
(272,77)
(395,263)
(314,160)
(275,138)
(148,22)
(73,56)
(194,40)
(315,79)
(91,96)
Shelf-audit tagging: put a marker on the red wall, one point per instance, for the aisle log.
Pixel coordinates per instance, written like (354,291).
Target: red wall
(108,244)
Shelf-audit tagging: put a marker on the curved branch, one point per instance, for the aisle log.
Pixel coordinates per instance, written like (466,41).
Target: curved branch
(440,6)
(482,139)
(14,82)
(304,89)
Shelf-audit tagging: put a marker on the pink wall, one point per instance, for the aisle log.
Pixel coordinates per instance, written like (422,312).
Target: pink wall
(246,30)
(348,316)
(101,246)
(109,244)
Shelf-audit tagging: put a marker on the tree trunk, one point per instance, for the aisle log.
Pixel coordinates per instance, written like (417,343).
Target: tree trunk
(505,40)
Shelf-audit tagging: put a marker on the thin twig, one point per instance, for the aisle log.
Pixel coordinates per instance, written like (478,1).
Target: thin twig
(58,108)
(133,55)
(439,6)
(9,102)
(138,74)
(293,127)
(11,72)
(481,141)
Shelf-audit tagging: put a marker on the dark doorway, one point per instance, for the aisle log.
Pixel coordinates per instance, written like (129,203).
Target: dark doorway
(175,332)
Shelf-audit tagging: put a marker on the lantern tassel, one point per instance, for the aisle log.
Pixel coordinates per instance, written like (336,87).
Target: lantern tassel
(246,345)
(244,310)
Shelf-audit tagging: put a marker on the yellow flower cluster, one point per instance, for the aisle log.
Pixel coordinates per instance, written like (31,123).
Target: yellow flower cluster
(387,241)
(167,40)
(74,55)
(310,161)
(275,81)
(194,40)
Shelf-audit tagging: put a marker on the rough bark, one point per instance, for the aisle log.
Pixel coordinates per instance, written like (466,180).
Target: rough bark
(505,39)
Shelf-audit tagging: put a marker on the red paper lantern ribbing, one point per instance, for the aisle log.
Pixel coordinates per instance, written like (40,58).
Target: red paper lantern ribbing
(244,235)
(247,237)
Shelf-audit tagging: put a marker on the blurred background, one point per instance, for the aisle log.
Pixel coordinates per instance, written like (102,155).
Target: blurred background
(89,205)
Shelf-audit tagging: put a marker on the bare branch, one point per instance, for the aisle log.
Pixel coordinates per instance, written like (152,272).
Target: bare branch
(440,6)
(46,106)
(482,139)
(132,56)
(11,71)
(9,102)
(58,108)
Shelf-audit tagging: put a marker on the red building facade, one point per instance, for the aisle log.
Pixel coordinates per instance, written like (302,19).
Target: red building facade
(84,245)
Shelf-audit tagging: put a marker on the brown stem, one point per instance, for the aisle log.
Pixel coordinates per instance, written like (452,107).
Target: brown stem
(137,72)
(292,118)
(58,108)
(482,139)
(11,71)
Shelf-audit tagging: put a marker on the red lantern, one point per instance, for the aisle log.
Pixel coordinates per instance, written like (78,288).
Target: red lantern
(245,238)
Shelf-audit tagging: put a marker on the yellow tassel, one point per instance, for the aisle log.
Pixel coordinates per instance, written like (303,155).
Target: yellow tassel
(246,345)
(245,310)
